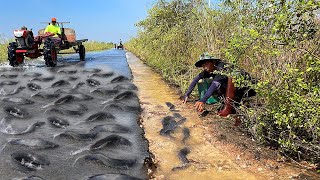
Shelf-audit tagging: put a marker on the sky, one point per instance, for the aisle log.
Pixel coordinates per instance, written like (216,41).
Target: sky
(98,20)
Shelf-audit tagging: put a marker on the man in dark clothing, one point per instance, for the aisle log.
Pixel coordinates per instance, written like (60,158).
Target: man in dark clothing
(221,85)
(219,82)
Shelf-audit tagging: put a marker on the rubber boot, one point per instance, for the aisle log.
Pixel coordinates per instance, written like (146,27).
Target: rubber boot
(230,95)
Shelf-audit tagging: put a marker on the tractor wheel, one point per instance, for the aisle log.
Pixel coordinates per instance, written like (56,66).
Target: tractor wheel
(50,53)
(82,52)
(14,58)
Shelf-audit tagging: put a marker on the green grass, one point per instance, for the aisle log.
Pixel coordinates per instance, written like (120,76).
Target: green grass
(3,48)
(3,52)
(92,46)
(97,46)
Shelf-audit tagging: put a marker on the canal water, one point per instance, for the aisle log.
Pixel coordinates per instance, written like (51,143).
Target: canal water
(78,120)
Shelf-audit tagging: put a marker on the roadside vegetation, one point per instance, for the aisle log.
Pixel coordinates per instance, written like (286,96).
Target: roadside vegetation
(3,48)
(93,46)
(276,41)
(98,46)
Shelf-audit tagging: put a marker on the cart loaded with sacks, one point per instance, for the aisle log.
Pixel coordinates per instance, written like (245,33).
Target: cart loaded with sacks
(26,45)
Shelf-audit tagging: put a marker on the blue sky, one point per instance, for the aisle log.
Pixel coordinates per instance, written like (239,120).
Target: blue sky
(99,20)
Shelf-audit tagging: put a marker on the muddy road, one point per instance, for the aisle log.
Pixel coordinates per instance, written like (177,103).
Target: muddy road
(75,121)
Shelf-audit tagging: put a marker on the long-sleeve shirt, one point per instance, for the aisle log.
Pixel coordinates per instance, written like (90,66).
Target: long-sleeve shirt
(217,86)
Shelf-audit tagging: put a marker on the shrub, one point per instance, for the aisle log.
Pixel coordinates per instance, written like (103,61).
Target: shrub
(275,41)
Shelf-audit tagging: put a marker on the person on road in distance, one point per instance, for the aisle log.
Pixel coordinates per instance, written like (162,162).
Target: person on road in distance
(53,28)
(218,85)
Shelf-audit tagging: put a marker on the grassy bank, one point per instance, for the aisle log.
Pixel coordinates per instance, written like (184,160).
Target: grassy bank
(275,41)
(90,46)
(94,46)
(3,52)
(3,48)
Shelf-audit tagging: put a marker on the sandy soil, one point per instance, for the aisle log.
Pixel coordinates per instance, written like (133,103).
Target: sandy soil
(218,149)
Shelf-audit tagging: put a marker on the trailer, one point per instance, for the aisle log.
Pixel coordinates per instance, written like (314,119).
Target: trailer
(28,45)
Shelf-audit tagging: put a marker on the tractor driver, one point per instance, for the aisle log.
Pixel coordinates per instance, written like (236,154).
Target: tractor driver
(53,28)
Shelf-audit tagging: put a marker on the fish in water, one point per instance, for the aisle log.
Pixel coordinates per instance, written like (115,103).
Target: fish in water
(170,106)
(64,71)
(58,122)
(77,86)
(16,91)
(183,158)
(183,155)
(125,95)
(110,142)
(181,119)
(75,110)
(30,160)
(103,75)
(112,177)
(72,78)
(45,95)
(8,83)
(65,99)
(92,134)
(114,128)
(32,74)
(93,83)
(131,87)
(9,76)
(43,79)
(35,143)
(70,98)
(119,79)
(111,162)
(169,125)
(186,134)
(91,70)
(114,107)
(105,92)
(204,113)
(17,100)
(100,116)
(29,178)
(16,111)
(33,86)
(8,129)
(133,108)
(60,83)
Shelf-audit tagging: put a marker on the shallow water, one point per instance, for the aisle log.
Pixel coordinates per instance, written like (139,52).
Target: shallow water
(74,121)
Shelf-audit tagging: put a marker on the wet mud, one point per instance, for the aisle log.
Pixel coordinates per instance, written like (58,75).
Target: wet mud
(78,120)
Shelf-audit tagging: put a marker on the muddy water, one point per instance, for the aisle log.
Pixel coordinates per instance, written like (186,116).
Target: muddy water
(75,121)
(177,155)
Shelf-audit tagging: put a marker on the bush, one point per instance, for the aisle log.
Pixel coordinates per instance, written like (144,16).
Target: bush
(3,49)
(275,41)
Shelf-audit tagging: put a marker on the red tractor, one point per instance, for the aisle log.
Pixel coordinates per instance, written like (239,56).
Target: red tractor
(26,45)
